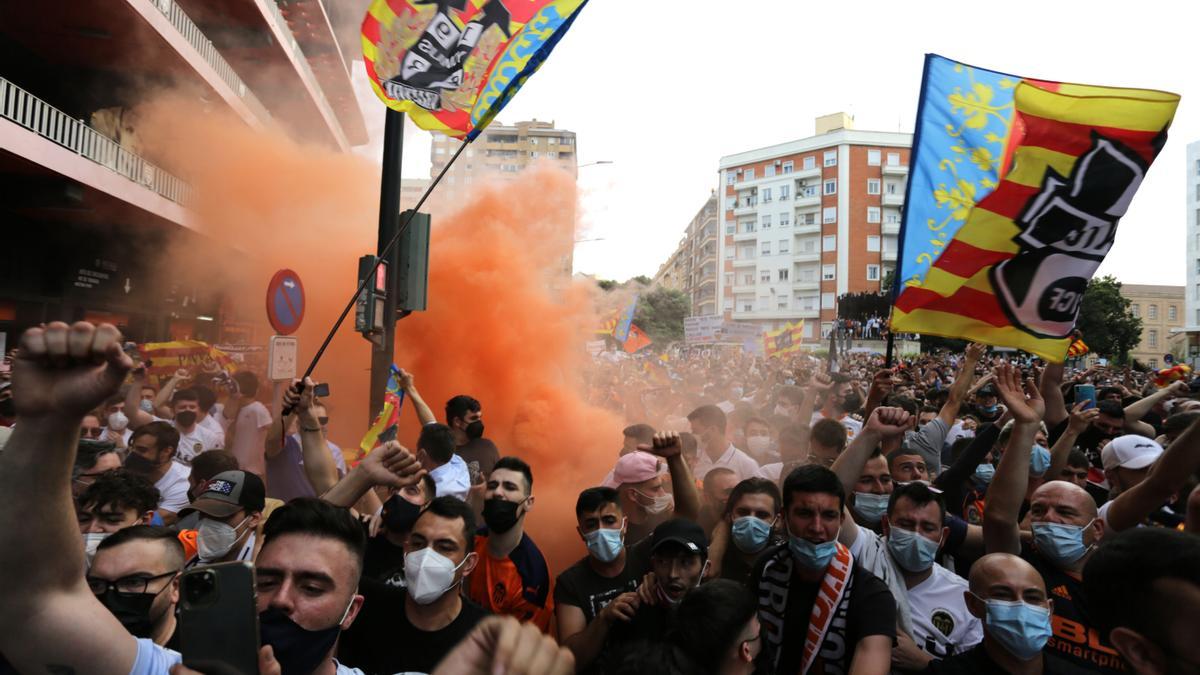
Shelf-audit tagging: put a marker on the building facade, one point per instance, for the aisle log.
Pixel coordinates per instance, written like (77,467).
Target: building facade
(807,221)
(692,267)
(1161,309)
(79,189)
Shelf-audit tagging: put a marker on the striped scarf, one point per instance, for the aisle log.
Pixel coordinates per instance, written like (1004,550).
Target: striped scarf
(824,635)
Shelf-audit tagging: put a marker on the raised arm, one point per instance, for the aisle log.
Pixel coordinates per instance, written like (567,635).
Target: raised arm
(1077,424)
(1137,410)
(666,444)
(962,382)
(1001,532)
(1052,394)
(881,385)
(1172,470)
(407,385)
(319,467)
(133,401)
(390,464)
(60,373)
(883,424)
(163,397)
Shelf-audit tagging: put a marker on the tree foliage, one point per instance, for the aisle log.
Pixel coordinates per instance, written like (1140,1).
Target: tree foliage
(1108,325)
(660,314)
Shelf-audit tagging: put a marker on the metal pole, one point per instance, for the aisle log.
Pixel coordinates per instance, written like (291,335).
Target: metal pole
(389,222)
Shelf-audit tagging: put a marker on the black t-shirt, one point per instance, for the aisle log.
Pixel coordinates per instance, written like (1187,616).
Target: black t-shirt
(872,611)
(482,452)
(1083,646)
(734,565)
(580,586)
(384,561)
(382,640)
(976,661)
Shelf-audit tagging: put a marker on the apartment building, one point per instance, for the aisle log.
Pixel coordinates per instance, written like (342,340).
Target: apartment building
(86,214)
(692,267)
(806,221)
(1161,309)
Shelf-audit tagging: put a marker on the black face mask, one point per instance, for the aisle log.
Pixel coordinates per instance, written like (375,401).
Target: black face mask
(185,418)
(135,463)
(133,611)
(399,514)
(298,650)
(500,515)
(474,430)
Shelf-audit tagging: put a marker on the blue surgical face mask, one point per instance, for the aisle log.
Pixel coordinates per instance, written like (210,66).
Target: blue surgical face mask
(809,555)
(146,405)
(910,550)
(990,409)
(1039,460)
(983,474)
(751,534)
(605,544)
(1060,543)
(1021,628)
(870,507)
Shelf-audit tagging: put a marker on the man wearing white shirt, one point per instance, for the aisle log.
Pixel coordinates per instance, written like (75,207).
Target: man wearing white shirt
(246,423)
(708,426)
(435,451)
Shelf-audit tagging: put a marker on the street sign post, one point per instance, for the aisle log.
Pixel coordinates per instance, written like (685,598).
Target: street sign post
(281,358)
(285,302)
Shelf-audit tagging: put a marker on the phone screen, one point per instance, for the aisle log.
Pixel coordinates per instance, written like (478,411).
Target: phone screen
(1086,393)
(321,390)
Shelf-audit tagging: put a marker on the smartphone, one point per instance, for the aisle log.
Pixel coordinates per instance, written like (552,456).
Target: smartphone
(1086,393)
(321,390)
(218,619)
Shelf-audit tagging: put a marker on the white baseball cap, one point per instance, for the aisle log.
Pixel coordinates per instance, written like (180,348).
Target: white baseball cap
(1130,452)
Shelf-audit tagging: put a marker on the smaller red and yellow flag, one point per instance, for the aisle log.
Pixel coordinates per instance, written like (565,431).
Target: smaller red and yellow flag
(784,340)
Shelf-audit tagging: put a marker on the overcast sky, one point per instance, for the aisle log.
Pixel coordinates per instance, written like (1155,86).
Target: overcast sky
(663,90)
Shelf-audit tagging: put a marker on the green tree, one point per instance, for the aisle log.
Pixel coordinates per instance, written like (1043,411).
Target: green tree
(1109,327)
(660,314)
(641,279)
(606,284)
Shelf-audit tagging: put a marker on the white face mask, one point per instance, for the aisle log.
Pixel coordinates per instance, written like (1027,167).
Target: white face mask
(118,422)
(658,504)
(91,541)
(428,575)
(757,446)
(214,539)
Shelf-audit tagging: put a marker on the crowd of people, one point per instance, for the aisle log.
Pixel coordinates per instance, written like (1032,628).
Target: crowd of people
(954,513)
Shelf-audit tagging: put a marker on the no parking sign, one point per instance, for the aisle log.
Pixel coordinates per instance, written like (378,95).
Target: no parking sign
(285,302)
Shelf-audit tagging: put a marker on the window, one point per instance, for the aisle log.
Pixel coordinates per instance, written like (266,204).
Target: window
(748,278)
(891,188)
(766,195)
(1153,363)
(1198,217)
(747,307)
(746,253)
(1152,314)
(1152,340)
(748,226)
(748,174)
(764,301)
(783,275)
(769,170)
(730,228)
(788,166)
(809,304)
(893,159)
(893,218)
(728,305)
(553,140)
(809,191)
(810,245)
(810,275)
(785,219)
(729,251)
(872,186)
(729,278)
(809,219)
(830,187)
(828,272)
(729,178)
(830,158)
(872,272)
(766,248)
(873,243)
(1198,291)
(783,245)
(827,301)
(872,214)
(730,203)
(829,214)
(1172,313)
(829,242)
(1137,309)
(764,276)
(782,304)
(872,158)
(810,163)
(533,155)
(766,222)
(784,192)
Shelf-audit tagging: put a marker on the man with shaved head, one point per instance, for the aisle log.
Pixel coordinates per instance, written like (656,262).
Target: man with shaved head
(1008,594)
(1066,529)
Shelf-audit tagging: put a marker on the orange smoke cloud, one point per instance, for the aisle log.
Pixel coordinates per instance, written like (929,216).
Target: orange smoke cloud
(494,329)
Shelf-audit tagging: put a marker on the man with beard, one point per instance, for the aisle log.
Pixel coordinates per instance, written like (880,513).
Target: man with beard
(135,574)
(152,450)
(512,576)
(464,416)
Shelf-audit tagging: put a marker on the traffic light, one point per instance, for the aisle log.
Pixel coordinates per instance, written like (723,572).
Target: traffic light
(369,311)
(411,267)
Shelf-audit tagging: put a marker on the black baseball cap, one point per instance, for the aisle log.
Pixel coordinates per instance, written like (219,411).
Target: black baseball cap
(229,492)
(682,532)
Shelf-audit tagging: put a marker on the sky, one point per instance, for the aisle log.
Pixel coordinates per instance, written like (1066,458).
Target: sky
(664,90)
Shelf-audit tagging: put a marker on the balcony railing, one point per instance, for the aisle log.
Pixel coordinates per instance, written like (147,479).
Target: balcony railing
(195,37)
(40,117)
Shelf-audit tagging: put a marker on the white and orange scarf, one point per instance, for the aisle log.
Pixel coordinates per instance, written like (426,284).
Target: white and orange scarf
(833,595)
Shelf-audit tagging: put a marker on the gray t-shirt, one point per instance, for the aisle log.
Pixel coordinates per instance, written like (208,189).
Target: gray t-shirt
(928,442)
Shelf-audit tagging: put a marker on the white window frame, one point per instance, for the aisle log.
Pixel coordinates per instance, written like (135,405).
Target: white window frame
(875,269)
(830,158)
(788,167)
(766,221)
(829,215)
(873,243)
(829,243)
(766,248)
(874,157)
(893,159)
(810,163)
(782,275)
(747,174)
(828,272)
(829,187)
(873,214)
(784,246)
(873,186)
(764,275)
(827,301)
(785,219)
